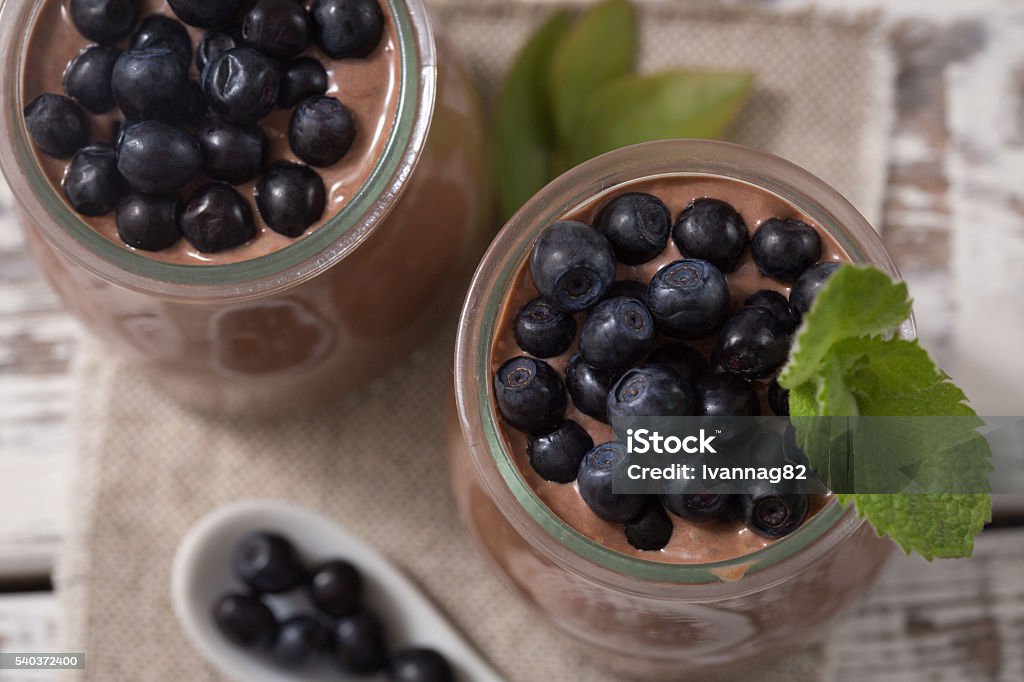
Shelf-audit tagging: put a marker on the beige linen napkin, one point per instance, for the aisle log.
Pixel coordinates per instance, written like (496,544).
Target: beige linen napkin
(374,460)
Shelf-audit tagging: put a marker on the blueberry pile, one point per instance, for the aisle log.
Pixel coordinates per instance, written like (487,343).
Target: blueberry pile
(340,627)
(632,357)
(184,144)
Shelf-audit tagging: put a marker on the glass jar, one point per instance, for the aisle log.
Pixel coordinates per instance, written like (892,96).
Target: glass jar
(652,615)
(329,311)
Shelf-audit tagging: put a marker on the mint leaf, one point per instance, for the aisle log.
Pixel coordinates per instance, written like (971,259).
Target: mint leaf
(856,301)
(598,49)
(524,132)
(843,365)
(641,108)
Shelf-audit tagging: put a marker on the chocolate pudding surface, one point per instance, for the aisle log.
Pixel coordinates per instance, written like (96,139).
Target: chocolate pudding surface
(692,542)
(369,87)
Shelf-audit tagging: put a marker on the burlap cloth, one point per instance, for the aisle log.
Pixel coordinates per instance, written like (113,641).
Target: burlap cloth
(148,467)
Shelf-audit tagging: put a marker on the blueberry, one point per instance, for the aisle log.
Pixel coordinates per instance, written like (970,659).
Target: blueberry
(783,249)
(753,343)
(149,83)
(617,333)
(92,183)
(321,130)
(299,639)
(336,587)
(589,387)
(211,46)
(290,197)
(652,530)
(556,456)
(683,358)
(148,222)
(726,395)
(688,298)
(117,129)
(637,225)
(267,562)
(572,265)
(231,153)
(195,109)
(158,157)
(773,516)
(776,303)
(698,506)
(595,484)
(711,230)
(245,620)
(359,647)
(778,398)
(160,31)
(543,330)
(277,28)
(303,77)
(420,665)
(104,21)
(216,217)
(241,85)
(651,391)
(347,28)
(628,288)
(210,14)
(57,124)
(807,287)
(87,78)
(530,395)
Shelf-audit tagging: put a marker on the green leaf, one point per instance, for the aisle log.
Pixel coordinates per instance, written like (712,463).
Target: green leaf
(856,301)
(599,48)
(641,108)
(523,131)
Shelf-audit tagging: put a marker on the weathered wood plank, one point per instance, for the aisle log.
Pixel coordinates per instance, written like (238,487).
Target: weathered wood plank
(28,623)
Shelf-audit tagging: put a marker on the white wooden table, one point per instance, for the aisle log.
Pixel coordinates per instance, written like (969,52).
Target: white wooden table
(954,219)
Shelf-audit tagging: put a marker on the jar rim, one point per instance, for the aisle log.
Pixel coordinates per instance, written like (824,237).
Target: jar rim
(494,464)
(255,277)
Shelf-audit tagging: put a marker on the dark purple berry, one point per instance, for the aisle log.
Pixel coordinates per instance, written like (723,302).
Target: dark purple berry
(753,343)
(57,125)
(267,562)
(321,130)
(290,197)
(689,298)
(697,507)
(347,28)
(245,620)
(774,516)
(711,230)
(572,265)
(157,157)
(148,222)
(336,588)
(652,530)
(359,645)
(196,108)
(241,85)
(300,639)
(543,330)
(651,391)
(420,665)
(160,31)
(556,456)
(682,357)
(209,14)
(87,78)
(277,28)
(301,78)
(530,395)
(778,398)
(150,83)
(232,153)
(616,333)
(783,249)
(104,21)
(216,217)
(726,395)
(637,225)
(807,287)
(211,46)
(628,288)
(776,303)
(595,485)
(92,182)
(589,387)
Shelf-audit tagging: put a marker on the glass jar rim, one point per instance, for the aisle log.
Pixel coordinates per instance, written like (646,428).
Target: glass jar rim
(586,183)
(276,271)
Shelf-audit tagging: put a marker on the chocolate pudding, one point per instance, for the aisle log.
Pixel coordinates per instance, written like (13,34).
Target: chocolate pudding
(368,87)
(692,541)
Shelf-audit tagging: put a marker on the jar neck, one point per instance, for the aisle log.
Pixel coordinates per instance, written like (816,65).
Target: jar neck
(335,239)
(496,465)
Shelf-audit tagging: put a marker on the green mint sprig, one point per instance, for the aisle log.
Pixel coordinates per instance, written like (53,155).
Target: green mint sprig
(847,361)
(571,95)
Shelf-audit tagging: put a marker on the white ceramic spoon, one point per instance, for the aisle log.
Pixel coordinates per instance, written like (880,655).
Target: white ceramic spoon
(202,573)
